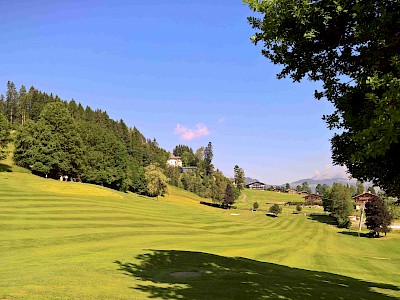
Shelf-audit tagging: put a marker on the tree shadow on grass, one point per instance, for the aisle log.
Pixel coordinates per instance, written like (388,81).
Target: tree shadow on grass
(327,219)
(5,168)
(354,233)
(209,276)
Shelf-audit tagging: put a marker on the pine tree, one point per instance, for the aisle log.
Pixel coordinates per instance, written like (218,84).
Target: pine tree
(229,197)
(4,136)
(11,102)
(208,156)
(239,177)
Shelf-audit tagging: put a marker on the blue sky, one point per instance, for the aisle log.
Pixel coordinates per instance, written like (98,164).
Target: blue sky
(183,72)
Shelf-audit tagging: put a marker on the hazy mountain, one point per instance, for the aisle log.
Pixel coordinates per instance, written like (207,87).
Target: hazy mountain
(250,180)
(314,181)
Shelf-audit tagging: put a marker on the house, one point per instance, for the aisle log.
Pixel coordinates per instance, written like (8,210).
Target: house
(303,193)
(291,191)
(256,185)
(313,197)
(174,161)
(363,198)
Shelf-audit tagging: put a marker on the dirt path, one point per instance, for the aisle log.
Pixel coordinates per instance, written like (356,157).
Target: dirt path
(244,198)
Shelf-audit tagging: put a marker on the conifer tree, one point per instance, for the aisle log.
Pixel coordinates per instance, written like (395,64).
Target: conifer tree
(4,136)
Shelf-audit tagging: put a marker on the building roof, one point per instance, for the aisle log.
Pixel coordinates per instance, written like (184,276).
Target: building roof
(171,156)
(365,194)
(313,195)
(254,182)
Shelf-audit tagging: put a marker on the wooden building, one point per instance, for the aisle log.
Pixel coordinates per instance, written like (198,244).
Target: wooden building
(363,198)
(291,191)
(256,185)
(313,197)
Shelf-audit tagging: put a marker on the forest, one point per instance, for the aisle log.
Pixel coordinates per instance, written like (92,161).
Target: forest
(54,138)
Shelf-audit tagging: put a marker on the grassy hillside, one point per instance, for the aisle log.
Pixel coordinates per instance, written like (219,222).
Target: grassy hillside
(66,240)
(263,197)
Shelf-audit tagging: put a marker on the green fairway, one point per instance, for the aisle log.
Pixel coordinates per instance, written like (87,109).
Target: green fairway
(66,240)
(249,196)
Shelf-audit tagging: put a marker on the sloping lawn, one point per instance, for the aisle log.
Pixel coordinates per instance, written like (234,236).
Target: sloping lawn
(66,240)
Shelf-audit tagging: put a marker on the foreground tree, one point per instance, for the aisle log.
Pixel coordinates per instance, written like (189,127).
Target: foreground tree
(157,182)
(378,217)
(51,146)
(352,47)
(4,136)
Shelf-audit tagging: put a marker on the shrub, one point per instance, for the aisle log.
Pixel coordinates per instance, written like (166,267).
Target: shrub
(275,209)
(255,205)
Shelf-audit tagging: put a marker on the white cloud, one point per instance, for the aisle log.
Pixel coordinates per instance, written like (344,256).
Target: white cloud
(221,120)
(188,134)
(330,171)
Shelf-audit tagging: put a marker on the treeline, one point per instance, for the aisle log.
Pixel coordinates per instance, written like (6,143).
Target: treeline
(200,177)
(57,138)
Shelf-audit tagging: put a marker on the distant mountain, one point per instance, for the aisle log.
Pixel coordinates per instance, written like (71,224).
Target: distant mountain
(313,182)
(328,181)
(250,180)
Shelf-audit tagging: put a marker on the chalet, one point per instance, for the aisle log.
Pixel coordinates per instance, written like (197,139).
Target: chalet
(313,197)
(291,191)
(276,190)
(256,185)
(363,198)
(303,193)
(174,161)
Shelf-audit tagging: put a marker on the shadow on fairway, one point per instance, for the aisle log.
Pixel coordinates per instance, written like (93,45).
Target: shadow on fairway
(170,274)
(5,168)
(354,233)
(323,219)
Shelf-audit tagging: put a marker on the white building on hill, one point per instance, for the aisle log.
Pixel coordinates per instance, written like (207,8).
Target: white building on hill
(174,161)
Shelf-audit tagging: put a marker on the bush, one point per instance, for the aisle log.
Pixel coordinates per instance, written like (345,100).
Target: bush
(299,208)
(255,205)
(275,209)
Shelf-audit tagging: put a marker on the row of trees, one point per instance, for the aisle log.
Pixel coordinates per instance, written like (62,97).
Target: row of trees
(202,179)
(55,138)
(339,202)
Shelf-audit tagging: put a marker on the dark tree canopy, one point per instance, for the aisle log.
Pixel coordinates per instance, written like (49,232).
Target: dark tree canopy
(352,47)
(229,197)
(52,145)
(378,217)
(4,136)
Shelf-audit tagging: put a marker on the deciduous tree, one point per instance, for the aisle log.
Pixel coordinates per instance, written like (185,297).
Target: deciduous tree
(352,47)
(157,182)
(378,217)
(51,146)
(275,209)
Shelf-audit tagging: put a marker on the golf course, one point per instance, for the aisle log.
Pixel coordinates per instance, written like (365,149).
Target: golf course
(68,240)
